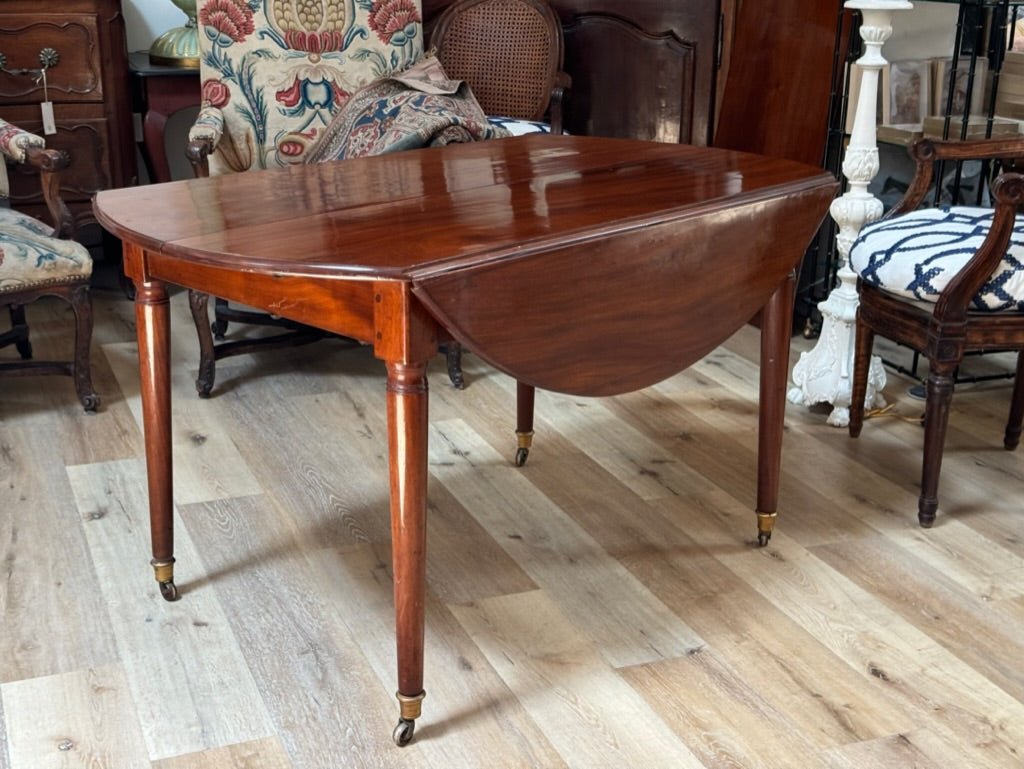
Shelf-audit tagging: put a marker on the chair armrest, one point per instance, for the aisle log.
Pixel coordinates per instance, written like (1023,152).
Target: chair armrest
(50,163)
(926,152)
(28,149)
(203,138)
(1008,196)
(15,142)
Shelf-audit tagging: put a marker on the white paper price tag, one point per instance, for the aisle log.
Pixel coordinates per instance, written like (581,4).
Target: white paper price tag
(49,125)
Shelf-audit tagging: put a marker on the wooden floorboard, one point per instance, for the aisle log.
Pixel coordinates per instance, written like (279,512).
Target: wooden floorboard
(603,607)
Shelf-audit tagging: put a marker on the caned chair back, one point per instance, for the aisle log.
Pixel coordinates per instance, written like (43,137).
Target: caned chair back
(509,51)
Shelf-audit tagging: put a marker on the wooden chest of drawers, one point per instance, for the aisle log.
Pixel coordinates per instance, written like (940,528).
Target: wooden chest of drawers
(88,86)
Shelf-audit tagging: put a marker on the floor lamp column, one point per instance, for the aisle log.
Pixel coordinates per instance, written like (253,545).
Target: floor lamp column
(823,374)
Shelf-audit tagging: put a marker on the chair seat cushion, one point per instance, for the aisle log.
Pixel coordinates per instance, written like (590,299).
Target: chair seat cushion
(916,255)
(30,257)
(518,127)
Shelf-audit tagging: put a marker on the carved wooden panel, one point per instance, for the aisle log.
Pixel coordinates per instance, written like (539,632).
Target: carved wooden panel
(76,76)
(627,82)
(88,86)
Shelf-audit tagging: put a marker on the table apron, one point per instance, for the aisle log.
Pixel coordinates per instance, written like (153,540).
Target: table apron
(341,305)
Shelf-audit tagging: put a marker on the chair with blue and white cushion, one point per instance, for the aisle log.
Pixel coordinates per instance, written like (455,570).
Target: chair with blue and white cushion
(944,282)
(37,260)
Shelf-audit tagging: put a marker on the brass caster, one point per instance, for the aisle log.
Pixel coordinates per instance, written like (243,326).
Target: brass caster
(765,524)
(409,710)
(521,455)
(525,440)
(169,591)
(402,735)
(164,571)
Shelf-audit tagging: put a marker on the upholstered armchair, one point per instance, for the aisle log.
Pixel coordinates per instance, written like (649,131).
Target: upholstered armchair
(944,282)
(273,73)
(39,259)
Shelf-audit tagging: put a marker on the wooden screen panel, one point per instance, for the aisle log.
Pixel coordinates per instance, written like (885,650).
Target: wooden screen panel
(776,98)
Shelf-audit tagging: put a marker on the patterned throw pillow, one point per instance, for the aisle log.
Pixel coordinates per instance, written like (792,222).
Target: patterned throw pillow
(917,254)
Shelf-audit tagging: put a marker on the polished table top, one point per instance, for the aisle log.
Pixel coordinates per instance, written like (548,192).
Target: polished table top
(518,221)
(583,265)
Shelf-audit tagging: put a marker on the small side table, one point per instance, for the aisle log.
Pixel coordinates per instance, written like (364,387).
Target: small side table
(158,91)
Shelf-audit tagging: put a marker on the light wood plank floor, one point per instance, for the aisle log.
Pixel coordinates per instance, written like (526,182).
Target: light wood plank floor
(603,607)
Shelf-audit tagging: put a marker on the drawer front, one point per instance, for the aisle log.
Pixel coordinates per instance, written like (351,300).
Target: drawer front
(85,138)
(75,77)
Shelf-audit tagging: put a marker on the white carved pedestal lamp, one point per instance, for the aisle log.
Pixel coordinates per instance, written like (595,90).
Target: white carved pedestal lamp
(824,374)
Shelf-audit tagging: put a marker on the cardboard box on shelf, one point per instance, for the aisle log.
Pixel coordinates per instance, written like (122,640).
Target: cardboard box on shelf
(901,133)
(977,127)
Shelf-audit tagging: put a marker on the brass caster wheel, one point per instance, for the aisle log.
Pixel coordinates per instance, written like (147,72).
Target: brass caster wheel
(765,524)
(521,455)
(169,591)
(164,573)
(403,732)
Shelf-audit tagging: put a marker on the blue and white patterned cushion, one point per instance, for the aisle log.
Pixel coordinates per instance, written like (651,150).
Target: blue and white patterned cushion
(916,255)
(518,127)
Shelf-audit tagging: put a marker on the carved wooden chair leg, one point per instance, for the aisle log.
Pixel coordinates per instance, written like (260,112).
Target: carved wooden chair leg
(453,359)
(1013,424)
(19,330)
(81,305)
(939,395)
(198,303)
(219,326)
(524,421)
(864,341)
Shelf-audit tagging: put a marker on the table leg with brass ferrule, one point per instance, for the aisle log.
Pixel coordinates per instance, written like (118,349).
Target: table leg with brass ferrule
(775,333)
(407,461)
(524,421)
(152,317)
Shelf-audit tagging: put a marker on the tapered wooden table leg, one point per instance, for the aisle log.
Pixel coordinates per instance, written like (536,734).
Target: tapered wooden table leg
(524,421)
(152,317)
(407,460)
(775,332)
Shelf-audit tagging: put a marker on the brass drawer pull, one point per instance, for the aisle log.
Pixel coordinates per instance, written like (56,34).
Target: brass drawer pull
(48,57)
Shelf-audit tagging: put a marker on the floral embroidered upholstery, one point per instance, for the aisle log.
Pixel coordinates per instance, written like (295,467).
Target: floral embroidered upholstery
(29,254)
(14,141)
(916,255)
(274,71)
